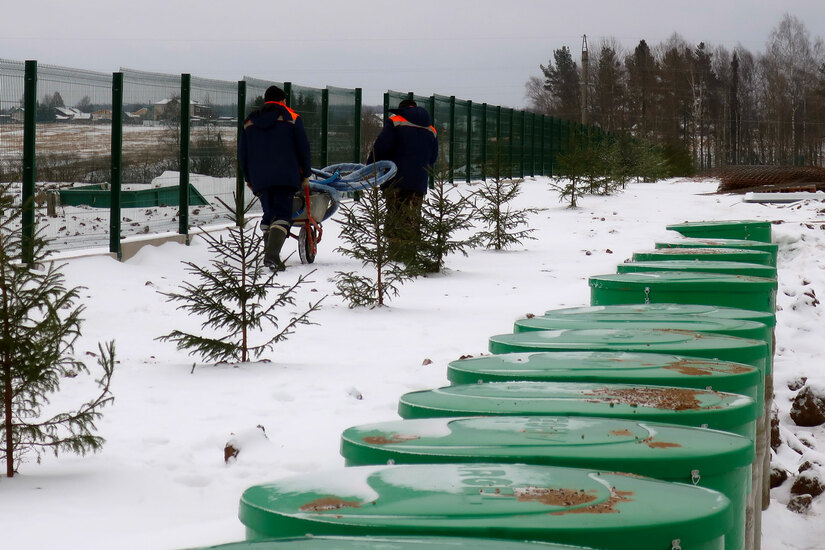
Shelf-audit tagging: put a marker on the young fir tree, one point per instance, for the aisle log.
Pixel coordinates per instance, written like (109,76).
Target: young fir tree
(365,239)
(503,223)
(445,214)
(39,326)
(239,298)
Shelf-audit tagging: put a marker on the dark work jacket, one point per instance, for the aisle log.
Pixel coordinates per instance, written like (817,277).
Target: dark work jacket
(409,140)
(273,149)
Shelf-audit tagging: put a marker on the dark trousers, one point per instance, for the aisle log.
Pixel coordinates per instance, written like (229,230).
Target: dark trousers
(277,206)
(403,225)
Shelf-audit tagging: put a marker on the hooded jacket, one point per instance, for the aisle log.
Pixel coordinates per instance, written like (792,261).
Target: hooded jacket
(409,140)
(273,149)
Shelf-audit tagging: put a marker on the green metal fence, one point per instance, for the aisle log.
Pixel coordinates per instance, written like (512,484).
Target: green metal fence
(104,157)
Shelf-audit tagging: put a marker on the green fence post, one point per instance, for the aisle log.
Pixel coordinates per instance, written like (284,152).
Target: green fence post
(484,142)
(185,92)
(452,138)
(357,137)
(288,93)
(29,166)
(240,188)
(325,127)
(469,141)
(116,164)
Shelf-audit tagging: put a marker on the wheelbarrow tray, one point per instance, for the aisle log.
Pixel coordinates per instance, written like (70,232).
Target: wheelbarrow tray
(319,202)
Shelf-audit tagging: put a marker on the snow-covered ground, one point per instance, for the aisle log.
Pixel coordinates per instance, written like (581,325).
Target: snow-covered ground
(161,481)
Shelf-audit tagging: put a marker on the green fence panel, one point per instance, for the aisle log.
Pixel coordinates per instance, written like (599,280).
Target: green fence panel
(213,147)
(478,140)
(517,144)
(441,121)
(461,133)
(493,145)
(151,149)
(343,119)
(12,75)
(73,115)
(308,102)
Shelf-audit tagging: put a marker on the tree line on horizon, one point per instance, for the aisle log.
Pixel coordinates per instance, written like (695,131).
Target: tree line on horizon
(705,106)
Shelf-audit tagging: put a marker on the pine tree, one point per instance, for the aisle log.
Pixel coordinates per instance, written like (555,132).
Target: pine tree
(239,298)
(445,213)
(365,238)
(493,209)
(562,81)
(39,326)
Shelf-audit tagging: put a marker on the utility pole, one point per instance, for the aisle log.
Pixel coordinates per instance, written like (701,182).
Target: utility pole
(585,83)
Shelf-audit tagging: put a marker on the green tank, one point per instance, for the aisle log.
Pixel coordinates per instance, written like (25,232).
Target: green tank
(752,230)
(707,458)
(682,287)
(728,268)
(609,511)
(705,255)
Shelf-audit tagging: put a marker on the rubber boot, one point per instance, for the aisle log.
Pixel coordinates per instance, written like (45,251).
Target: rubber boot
(272,248)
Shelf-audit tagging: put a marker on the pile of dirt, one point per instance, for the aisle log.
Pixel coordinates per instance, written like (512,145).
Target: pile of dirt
(771,179)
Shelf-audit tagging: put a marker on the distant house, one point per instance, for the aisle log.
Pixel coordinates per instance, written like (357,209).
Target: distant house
(137,116)
(17,114)
(72,114)
(102,114)
(169,108)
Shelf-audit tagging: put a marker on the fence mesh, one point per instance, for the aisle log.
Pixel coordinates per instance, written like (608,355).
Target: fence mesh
(73,137)
(308,103)
(343,118)
(460,133)
(73,133)
(212,148)
(478,140)
(12,79)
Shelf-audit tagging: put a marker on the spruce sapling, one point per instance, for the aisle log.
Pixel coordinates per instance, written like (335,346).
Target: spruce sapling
(363,231)
(503,223)
(446,212)
(239,298)
(39,326)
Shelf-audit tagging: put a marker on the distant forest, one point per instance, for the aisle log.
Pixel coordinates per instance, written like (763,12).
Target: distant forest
(706,106)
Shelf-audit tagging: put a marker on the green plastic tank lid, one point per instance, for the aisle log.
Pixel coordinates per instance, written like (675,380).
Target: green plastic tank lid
(706,254)
(730,327)
(722,243)
(674,405)
(609,367)
(686,281)
(651,340)
(733,268)
(512,501)
(389,543)
(663,451)
(755,230)
(767,318)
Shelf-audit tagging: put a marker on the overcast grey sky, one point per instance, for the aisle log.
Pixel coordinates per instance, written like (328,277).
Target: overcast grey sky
(480,50)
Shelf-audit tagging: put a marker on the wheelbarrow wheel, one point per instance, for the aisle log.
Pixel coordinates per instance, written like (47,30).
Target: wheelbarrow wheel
(305,246)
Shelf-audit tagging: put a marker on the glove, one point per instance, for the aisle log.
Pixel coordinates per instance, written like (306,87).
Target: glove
(304,183)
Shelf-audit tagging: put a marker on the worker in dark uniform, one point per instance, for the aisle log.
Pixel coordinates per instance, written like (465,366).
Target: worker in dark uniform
(273,151)
(411,142)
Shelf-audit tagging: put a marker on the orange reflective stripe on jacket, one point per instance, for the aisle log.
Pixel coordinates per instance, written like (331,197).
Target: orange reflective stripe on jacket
(398,120)
(283,104)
